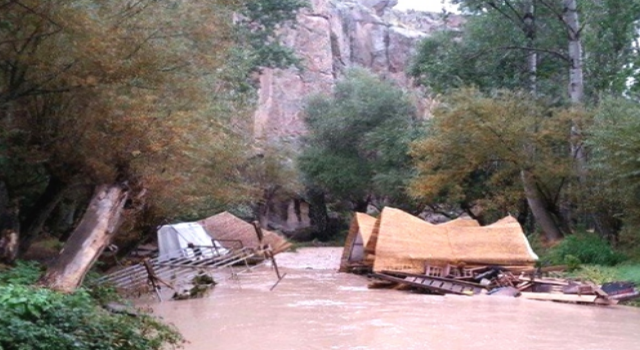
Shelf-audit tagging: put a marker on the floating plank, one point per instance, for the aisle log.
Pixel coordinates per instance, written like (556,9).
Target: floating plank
(560,297)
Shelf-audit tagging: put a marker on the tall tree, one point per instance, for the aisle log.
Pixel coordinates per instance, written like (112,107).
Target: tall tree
(478,146)
(116,95)
(549,37)
(358,139)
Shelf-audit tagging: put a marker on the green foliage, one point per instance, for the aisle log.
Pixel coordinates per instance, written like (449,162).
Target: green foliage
(629,242)
(38,318)
(155,93)
(572,262)
(614,139)
(258,30)
(603,274)
(477,144)
(490,53)
(585,249)
(358,139)
(34,318)
(492,49)
(23,273)
(611,32)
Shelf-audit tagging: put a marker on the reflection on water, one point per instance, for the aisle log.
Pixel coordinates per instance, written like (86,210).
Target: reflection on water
(321,309)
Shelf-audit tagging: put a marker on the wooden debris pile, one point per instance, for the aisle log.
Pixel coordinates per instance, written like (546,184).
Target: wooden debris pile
(523,282)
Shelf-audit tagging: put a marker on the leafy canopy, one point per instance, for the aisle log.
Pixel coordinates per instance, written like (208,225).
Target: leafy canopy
(491,51)
(477,144)
(614,139)
(358,138)
(153,93)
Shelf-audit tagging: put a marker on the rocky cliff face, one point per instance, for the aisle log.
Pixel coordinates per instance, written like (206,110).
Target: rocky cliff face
(329,37)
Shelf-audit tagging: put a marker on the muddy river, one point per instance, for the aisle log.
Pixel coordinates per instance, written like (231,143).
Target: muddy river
(314,307)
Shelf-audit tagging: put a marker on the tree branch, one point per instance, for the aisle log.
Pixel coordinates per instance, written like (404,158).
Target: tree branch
(517,21)
(559,15)
(555,53)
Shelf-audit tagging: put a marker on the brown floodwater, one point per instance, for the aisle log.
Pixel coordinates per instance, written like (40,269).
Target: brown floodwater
(314,307)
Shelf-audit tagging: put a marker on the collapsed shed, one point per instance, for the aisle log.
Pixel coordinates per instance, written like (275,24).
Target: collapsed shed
(403,242)
(233,233)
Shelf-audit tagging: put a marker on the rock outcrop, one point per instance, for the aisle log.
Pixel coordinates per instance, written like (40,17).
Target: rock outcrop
(329,37)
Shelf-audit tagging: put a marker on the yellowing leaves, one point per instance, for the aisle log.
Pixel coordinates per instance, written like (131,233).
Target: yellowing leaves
(477,144)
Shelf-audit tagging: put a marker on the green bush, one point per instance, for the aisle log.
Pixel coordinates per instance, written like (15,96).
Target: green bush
(24,272)
(572,262)
(585,249)
(33,318)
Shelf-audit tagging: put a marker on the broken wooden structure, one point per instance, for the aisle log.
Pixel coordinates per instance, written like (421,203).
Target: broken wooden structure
(152,274)
(494,280)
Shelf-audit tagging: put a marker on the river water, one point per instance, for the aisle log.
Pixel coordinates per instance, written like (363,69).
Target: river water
(314,307)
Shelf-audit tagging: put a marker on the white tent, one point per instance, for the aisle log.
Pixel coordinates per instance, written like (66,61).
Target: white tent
(174,242)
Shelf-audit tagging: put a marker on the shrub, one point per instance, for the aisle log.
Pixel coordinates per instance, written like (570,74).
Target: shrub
(585,248)
(572,262)
(24,272)
(40,319)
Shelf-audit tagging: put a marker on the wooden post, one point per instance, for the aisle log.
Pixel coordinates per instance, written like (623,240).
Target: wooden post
(154,279)
(259,232)
(269,254)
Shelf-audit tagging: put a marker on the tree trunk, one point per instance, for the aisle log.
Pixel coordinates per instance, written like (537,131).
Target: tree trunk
(539,209)
(576,80)
(318,214)
(47,202)
(605,225)
(9,227)
(529,27)
(4,197)
(96,229)
(264,206)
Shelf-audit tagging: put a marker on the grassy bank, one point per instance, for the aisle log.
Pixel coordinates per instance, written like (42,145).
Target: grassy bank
(589,257)
(602,274)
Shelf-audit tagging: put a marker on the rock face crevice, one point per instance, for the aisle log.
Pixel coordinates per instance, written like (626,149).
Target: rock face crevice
(329,37)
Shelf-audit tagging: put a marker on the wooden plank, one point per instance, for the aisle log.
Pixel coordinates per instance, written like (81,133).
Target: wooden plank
(545,281)
(560,297)
(432,284)
(431,278)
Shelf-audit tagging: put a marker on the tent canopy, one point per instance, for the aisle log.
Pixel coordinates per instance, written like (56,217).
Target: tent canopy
(174,241)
